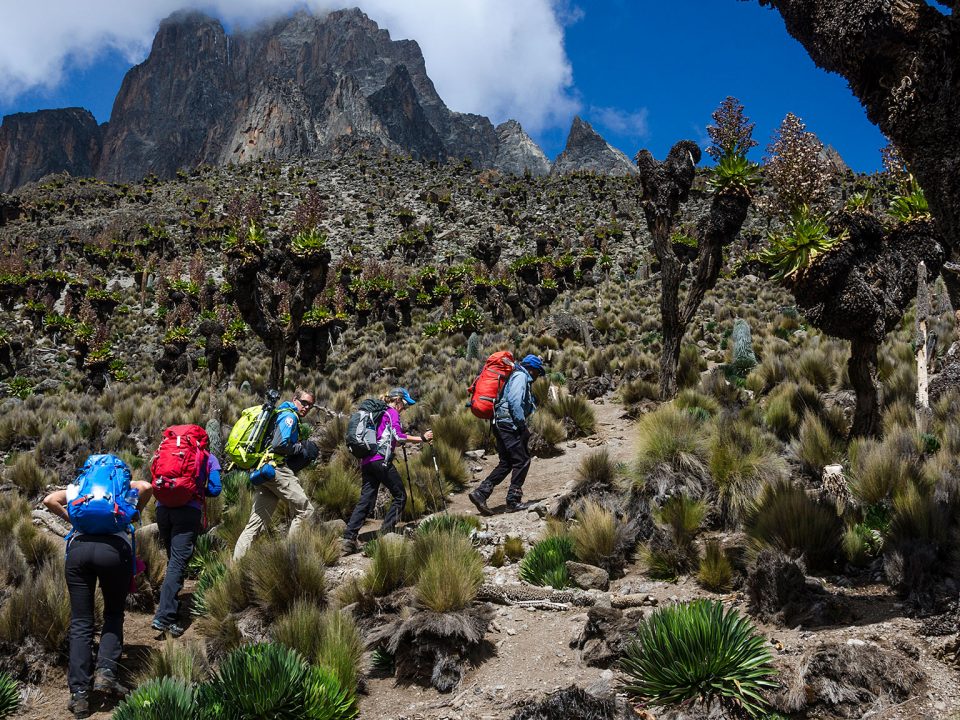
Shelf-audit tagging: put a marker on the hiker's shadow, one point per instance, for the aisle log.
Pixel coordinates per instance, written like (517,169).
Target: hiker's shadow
(525,506)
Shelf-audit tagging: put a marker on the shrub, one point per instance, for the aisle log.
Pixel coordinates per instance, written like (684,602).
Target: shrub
(672,551)
(576,410)
(594,534)
(671,436)
(716,572)
(269,682)
(185,661)
(160,699)
(279,572)
(861,544)
(451,574)
(546,562)
(498,557)
(9,696)
(742,459)
(328,638)
(27,475)
(816,447)
(788,519)
(636,390)
(698,652)
(513,547)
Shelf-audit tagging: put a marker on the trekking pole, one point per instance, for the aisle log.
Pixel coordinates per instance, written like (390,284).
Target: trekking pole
(406,465)
(439,479)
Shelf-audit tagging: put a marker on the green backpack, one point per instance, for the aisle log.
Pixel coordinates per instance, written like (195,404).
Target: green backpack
(244,446)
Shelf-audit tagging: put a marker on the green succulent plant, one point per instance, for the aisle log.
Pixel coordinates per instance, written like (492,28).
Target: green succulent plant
(159,700)
(912,205)
(805,237)
(9,696)
(699,652)
(733,173)
(546,562)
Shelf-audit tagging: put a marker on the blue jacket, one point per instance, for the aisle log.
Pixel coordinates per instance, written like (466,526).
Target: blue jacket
(286,430)
(515,404)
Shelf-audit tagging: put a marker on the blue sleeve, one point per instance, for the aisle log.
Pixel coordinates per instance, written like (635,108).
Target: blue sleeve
(286,433)
(515,391)
(214,486)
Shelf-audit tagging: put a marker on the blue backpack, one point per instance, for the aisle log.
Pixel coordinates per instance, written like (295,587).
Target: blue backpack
(99,500)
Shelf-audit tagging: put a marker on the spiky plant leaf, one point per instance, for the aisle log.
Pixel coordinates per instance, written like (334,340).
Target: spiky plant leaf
(158,700)
(546,563)
(805,237)
(699,652)
(9,696)
(733,173)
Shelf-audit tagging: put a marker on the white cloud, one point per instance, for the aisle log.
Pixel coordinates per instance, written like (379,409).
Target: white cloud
(632,125)
(499,58)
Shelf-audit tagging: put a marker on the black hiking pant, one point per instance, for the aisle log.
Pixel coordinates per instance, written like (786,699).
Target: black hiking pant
(107,559)
(514,460)
(179,528)
(374,475)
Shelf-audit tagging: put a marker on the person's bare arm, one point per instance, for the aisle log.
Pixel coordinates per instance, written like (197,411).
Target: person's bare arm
(56,502)
(145,491)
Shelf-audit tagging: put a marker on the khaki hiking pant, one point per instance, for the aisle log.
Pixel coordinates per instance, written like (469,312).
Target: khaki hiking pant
(284,486)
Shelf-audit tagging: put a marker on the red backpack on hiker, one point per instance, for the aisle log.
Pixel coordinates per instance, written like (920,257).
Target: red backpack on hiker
(179,464)
(486,388)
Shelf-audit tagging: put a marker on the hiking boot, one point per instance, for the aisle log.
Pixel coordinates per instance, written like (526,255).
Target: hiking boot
(79,704)
(105,682)
(173,630)
(516,506)
(480,503)
(349,546)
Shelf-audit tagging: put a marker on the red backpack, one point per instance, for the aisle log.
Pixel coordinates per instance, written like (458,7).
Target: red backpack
(179,464)
(486,388)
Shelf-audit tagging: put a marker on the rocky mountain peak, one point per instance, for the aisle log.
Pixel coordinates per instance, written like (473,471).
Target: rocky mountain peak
(587,151)
(517,152)
(38,143)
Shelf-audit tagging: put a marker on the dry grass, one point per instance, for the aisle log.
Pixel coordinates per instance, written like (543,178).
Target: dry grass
(671,436)
(450,575)
(38,609)
(280,572)
(186,660)
(27,475)
(742,460)
(513,547)
(594,533)
(716,572)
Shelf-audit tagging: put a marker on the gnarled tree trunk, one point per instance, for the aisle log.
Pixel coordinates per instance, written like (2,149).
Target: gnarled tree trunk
(862,367)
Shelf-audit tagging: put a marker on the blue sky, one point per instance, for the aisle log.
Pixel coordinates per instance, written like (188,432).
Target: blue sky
(644,73)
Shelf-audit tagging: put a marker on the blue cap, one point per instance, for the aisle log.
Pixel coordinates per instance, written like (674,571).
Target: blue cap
(402,393)
(533,362)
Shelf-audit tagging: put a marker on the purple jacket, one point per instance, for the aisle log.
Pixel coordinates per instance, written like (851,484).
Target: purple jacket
(390,419)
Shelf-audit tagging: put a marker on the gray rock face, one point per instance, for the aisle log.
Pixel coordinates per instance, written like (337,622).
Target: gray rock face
(588,577)
(587,151)
(517,152)
(47,141)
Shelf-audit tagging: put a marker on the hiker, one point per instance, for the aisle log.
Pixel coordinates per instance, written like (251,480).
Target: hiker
(100,505)
(512,410)
(181,510)
(275,480)
(378,469)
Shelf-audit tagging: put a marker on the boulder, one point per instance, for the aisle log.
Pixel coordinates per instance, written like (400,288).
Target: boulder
(605,635)
(588,577)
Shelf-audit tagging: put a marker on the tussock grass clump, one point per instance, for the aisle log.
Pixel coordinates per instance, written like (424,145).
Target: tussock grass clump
(331,437)
(575,411)
(150,550)
(596,470)
(270,680)
(780,417)
(545,563)
(160,699)
(27,475)
(280,572)
(449,522)
(816,447)
(450,463)
(671,551)
(38,547)
(636,391)
(323,540)
(459,430)
(742,459)
(218,603)
(788,519)
(878,471)
(39,609)
(671,436)
(716,572)
(548,427)
(13,565)
(699,652)
(595,535)
(13,509)
(186,660)
(690,366)
(391,561)
(451,574)
(498,558)
(336,487)
(696,403)
(328,638)
(513,547)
